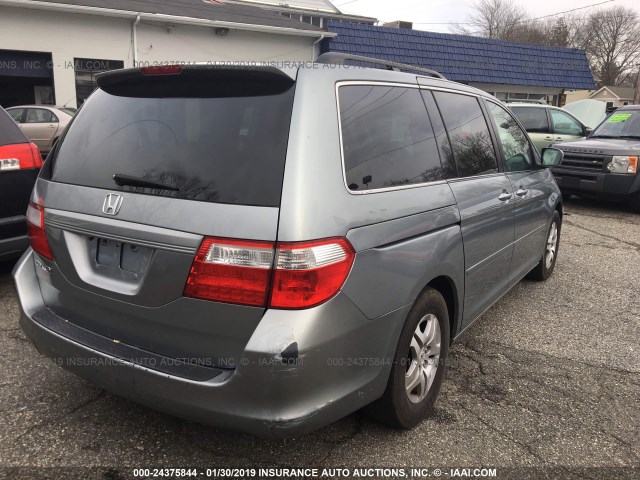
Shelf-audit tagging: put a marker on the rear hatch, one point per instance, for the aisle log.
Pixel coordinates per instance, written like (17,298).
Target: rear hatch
(155,162)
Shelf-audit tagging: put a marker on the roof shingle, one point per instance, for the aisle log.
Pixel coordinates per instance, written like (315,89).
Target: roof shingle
(465,58)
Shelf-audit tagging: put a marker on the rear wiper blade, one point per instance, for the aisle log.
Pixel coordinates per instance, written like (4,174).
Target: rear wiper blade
(128,180)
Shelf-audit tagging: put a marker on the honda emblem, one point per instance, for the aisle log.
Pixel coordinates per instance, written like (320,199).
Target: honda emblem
(112,204)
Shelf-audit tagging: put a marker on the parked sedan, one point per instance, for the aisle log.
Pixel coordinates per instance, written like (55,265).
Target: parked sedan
(20,163)
(547,125)
(43,124)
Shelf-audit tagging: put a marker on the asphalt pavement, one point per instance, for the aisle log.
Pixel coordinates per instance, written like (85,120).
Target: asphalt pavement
(548,380)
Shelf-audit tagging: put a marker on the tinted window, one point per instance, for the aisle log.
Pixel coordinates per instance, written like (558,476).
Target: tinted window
(534,120)
(10,133)
(471,146)
(16,114)
(387,138)
(228,149)
(565,124)
(39,115)
(448,164)
(515,145)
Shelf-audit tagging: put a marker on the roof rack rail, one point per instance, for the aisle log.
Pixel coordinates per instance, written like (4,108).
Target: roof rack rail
(525,100)
(337,58)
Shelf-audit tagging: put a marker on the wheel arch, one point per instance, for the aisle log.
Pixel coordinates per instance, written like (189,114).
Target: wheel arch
(448,289)
(560,209)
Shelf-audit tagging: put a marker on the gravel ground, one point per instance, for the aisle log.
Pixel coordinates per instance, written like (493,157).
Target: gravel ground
(549,378)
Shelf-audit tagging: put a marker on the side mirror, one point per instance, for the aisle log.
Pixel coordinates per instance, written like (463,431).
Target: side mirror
(588,131)
(551,157)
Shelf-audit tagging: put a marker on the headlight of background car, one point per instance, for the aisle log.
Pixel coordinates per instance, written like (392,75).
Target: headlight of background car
(622,164)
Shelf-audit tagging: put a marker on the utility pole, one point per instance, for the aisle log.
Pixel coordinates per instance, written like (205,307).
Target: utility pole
(636,95)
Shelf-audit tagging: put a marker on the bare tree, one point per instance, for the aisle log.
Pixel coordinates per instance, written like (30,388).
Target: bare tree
(559,33)
(611,37)
(612,40)
(493,19)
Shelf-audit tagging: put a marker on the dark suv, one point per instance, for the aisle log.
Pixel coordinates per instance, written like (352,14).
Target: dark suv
(20,163)
(605,164)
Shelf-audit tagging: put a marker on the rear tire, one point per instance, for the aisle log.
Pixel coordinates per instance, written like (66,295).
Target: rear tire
(547,263)
(418,365)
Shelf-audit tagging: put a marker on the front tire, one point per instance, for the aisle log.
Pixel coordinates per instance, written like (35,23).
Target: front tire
(418,365)
(547,263)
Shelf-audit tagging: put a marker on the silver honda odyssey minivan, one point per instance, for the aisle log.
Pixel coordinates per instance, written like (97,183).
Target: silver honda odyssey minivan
(269,249)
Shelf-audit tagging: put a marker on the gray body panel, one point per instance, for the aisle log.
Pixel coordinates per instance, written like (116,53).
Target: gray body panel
(276,372)
(533,211)
(487,232)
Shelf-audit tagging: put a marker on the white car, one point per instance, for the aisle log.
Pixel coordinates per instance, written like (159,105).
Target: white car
(43,124)
(547,125)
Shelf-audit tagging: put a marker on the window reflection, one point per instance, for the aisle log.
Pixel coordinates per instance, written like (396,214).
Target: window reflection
(387,138)
(470,145)
(516,148)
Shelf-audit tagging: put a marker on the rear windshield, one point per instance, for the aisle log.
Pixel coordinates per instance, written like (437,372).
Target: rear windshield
(223,150)
(10,132)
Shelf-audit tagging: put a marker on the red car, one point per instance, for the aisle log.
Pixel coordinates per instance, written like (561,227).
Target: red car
(20,163)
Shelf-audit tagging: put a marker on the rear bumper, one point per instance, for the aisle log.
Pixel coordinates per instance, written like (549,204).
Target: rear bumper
(596,183)
(300,370)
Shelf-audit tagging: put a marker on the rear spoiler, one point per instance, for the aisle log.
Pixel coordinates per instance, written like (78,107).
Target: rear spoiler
(199,80)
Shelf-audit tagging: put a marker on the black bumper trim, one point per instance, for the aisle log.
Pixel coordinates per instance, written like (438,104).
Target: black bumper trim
(123,352)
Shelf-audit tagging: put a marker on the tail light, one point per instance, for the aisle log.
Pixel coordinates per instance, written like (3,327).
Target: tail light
(35,229)
(19,156)
(297,275)
(310,273)
(162,70)
(231,271)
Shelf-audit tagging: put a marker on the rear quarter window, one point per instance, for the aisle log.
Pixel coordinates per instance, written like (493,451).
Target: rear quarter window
(223,150)
(387,138)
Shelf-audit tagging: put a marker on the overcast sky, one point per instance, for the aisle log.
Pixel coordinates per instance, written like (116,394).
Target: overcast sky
(434,15)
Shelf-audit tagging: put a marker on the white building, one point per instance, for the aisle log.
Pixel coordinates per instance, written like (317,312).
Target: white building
(315,12)
(51,50)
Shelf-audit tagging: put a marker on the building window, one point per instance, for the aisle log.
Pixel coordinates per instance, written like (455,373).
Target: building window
(86,70)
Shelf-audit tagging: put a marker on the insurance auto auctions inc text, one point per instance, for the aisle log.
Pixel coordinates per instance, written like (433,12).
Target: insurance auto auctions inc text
(304,473)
